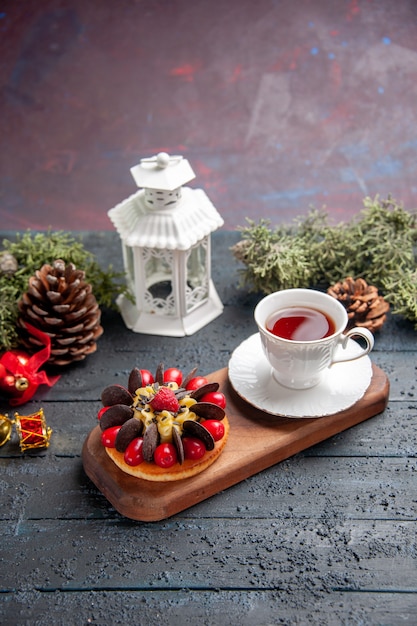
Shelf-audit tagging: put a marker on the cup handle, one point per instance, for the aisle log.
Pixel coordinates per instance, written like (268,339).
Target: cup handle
(358,332)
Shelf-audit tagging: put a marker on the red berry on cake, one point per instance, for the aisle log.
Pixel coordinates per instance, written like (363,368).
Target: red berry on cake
(165,400)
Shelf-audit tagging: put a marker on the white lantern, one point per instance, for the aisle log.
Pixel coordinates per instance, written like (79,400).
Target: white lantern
(165,231)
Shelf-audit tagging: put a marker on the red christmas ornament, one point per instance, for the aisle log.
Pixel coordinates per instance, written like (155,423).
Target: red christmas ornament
(19,372)
(31,429)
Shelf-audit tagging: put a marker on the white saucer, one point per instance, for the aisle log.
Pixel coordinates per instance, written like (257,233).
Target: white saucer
(251,377)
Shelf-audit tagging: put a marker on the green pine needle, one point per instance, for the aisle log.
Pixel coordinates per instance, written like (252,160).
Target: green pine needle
(377,245)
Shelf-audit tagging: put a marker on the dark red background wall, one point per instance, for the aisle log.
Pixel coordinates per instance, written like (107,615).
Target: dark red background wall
(278,105)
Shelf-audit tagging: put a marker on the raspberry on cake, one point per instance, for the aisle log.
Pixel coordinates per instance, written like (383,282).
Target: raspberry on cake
(165,399)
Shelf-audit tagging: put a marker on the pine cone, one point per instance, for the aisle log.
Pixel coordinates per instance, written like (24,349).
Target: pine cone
(8,264)
(363,304)
(60,303)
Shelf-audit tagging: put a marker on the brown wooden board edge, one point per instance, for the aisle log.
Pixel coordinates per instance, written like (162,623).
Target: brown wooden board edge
(266,439)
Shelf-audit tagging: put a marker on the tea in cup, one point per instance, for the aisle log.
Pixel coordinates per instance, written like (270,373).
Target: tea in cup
(302,335)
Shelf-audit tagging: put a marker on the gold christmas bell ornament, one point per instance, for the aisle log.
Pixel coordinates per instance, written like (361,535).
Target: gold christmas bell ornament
(165,231)
(6,426)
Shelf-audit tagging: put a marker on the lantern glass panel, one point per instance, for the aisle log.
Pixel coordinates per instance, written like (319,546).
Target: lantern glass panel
(129,264)
(159,297)
(197,280)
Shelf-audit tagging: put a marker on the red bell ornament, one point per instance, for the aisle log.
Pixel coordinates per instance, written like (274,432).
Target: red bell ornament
(19,372)
(10,383)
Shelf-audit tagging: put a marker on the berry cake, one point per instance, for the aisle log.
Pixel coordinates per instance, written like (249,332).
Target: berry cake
(163,427)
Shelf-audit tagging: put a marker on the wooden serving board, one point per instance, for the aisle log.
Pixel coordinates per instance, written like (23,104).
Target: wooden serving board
(257,440)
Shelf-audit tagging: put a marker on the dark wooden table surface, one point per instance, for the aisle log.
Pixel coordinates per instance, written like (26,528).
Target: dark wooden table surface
(327,536)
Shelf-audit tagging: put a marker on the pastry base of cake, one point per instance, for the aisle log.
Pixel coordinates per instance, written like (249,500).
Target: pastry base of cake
(190,467)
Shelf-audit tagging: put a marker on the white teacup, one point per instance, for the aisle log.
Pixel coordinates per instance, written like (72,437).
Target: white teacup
(301,364)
